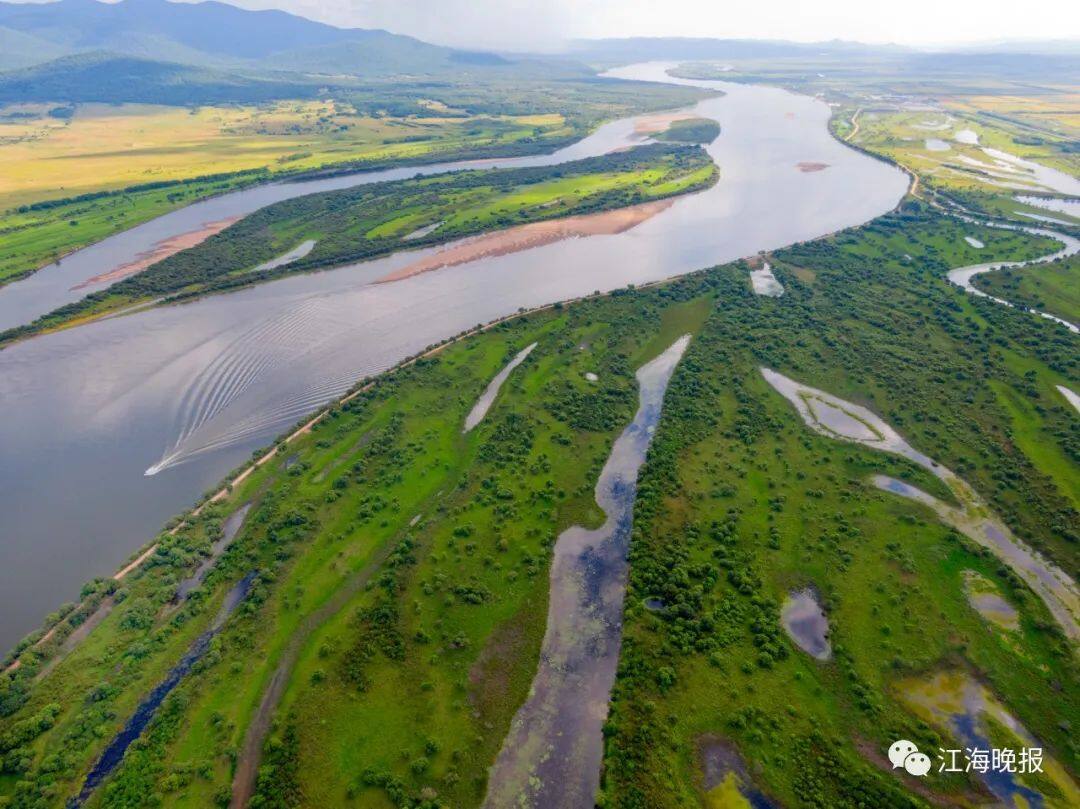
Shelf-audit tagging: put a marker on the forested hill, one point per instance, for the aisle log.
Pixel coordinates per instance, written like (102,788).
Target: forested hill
(210,34)
(110,78)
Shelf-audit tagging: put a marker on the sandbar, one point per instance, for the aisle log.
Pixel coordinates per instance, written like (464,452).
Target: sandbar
(534,234)
(161,250)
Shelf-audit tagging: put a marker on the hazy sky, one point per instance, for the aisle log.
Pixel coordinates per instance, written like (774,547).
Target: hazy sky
(510,24)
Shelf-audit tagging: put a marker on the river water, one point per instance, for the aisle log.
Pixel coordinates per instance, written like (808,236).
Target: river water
(192,390)
(551,756)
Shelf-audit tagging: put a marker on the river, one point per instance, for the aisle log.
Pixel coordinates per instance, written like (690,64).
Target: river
(192,390)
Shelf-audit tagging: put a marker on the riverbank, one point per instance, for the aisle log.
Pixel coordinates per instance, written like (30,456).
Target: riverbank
(354,225)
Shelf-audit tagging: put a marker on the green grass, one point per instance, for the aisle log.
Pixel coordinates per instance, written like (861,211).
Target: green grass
(691,130)
(409,681)
(740,503)
(1053,288)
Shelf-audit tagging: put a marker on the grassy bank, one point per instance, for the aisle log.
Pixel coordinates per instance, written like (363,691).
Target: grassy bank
(1053,288)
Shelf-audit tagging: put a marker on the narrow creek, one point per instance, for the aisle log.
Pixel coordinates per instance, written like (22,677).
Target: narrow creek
(114,753)
(229,529)
(487,398)
(552,753)
(962,276)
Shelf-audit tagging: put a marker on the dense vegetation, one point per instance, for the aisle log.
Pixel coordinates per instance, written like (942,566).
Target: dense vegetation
(524,109)
(691,130)
(740,504)
(402,566)
(372,220)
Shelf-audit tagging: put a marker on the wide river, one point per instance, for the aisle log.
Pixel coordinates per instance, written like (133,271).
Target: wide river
(194,389)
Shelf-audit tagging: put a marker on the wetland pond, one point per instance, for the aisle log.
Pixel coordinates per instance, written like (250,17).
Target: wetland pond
(805,622)
(958,703)
(194,389)
(725,779)
(552,753)
(764,282)
(846,421)
(487,398)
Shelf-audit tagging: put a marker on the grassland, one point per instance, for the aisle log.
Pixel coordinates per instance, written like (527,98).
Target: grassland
(57,163)
(373,220)
(402,566)
(1053,288)
(740,504)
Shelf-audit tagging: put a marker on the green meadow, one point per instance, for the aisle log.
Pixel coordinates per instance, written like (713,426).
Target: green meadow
(401,565)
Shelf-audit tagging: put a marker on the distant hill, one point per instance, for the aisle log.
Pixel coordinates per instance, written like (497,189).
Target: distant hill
(18,49)
(637,49)
(212,34)
(111,78)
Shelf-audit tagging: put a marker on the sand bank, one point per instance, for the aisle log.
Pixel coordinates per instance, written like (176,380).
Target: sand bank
(534,234)
(161,250)
(653,124)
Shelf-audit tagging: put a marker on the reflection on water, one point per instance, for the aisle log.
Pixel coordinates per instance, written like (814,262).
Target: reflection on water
(987,600)
(805,622)
(975,520)
(955,701)
(229,529)
(836,418)
(962,276)
(552,754)
(725,780)
(68,280)
(764,282)
(138,722)
(202,385)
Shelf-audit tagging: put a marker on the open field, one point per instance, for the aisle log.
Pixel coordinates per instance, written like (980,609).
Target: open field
(402,566)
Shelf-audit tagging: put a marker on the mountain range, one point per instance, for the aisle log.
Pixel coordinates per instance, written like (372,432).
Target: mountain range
(210,34)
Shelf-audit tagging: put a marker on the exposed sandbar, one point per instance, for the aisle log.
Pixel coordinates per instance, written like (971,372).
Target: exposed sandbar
(653,124)
(534,234)
(161,250)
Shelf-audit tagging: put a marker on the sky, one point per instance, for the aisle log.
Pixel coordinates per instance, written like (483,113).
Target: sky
(549,24)
(546,24)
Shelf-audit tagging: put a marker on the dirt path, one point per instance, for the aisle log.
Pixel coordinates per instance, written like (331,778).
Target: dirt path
(854,125)
(250,756)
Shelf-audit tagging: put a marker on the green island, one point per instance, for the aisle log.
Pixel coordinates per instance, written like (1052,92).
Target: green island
(369,221)
(400,566)
(207,142)
(691,130)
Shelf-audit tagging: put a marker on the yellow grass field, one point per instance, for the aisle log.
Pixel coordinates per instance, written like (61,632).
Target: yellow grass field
(113,146)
